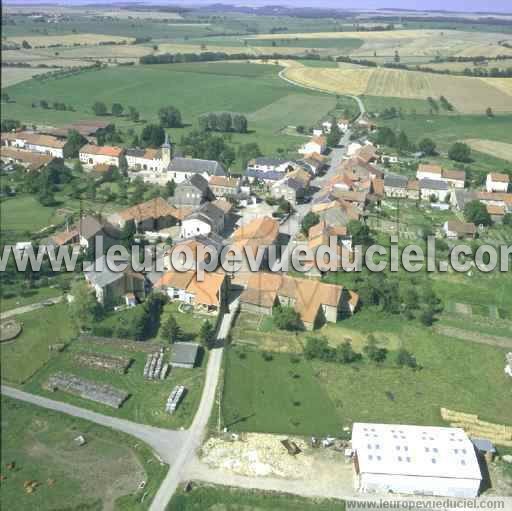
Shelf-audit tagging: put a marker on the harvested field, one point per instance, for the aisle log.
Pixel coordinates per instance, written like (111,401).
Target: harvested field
(67,39)
(467,94)
(14,75)
(499,149)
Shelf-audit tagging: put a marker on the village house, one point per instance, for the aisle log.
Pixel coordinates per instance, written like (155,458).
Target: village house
(313,163)
(316,302)
(429,171)
(150,216)
(317,144)
(112,286)
(497,213)
(84,233)
(433,190)
(457,230)
(91,155)
(413,189)
(496,182)
(265,164)
(261,232)
(337,212)
(358,169)
(415,460)
(207,219)
(343,125)
(456,179)
(192,192)
(222,186)
(290,189)
(28,160)
(209,294)
(395,186)
(367,153)
(145,159)
(35,142)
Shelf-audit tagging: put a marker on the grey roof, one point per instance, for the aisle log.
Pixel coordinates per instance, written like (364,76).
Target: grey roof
(211,211)
(294,184)
(135,151)
(211,167)
(90,226)
(104,275)
(264,160)
(395,181)
(433,184)
(184,353)
(271,175)
(483,444)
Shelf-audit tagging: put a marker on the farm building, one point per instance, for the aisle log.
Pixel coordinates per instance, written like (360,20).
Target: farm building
(184,354)
(92,155)
(317,144)
(35,142)
(496,182)
(419,460)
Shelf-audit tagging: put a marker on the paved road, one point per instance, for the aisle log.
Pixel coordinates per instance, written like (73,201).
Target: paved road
(164,442)
(197,431)
(29,308)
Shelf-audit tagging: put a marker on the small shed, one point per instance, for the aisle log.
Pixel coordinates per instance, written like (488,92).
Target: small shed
(485,447)
(184,354)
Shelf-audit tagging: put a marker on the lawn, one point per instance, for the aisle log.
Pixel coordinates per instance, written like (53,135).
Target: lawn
(29,352)
(209,497)
(281,395)
(21,296)
(103,474)
(24,214)
(252,89)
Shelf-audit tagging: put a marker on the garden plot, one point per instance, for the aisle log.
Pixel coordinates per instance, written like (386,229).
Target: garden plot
(104,362)
(86,389)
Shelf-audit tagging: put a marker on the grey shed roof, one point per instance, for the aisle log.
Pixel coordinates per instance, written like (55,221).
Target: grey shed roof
(483,444)
(433,184)
(210,211)
(184,353)
(211,167)
(135,151)
(269,161)
(104,276)
(197,181)
(395,181)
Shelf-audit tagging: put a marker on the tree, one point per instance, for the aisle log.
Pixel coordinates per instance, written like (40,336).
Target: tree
(507,219)
(117,109)
(170,117)
(476,212)
(345,354)
(460,152)
(247,152)
(203,123)
(73,144)
(309,220)
(240,123)
(152,135)
(170,330)
(405,358)
(123,165)
(25,45)
(427,146)
(213,121)
(77,168)
(224,122)
(207,335)
(43,104)
(170,188)
(360,233)
(489,112)
(333,138)
(402,142)
(372,350)
(83,309)
(286,318)
(133,114)
(99,108)
(128,234)
(427,316)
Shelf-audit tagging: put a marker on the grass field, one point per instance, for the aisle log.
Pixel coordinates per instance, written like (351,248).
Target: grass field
(251,403)
(364,391)
(25,213)
(499,149)
(103,474)
(253,89)
(468,95)
(346,44)
(28,353)
(214,498)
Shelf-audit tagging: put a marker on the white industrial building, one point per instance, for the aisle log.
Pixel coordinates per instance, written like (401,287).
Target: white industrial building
(391,458)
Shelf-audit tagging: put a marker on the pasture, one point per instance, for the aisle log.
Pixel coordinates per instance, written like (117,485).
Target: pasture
(363,391)
(208,497)
(498,149)
(253,89)
(468,95)
(105,473)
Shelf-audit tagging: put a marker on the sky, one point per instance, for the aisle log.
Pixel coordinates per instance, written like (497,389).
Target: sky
(446,5)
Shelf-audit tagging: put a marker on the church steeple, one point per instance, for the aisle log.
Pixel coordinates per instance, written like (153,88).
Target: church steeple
(167,150)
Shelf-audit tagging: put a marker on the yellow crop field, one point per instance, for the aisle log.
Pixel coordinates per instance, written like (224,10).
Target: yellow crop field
(499,149)
(67,39)
(467,94)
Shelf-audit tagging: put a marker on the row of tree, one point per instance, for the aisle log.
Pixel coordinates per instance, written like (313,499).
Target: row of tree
(224,122)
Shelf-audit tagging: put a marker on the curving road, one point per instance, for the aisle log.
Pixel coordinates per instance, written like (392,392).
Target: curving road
(31,307)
